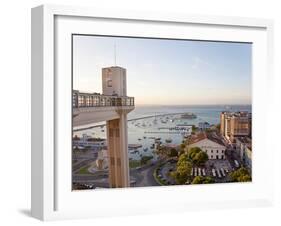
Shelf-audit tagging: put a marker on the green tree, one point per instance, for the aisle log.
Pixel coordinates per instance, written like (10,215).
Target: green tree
(183,170)
(197,156)
(240,175)
(193,128)
(173,152)
(182,145)
(202,180)
(145,159)
(218,126)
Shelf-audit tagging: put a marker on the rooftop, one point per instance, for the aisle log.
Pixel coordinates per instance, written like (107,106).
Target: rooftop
(237,114)
(210,136)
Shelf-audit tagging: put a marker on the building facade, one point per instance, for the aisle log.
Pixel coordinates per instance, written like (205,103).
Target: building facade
(210,143)
(204,125)
(244,150)
(114,81)
(235,124)
(114,84)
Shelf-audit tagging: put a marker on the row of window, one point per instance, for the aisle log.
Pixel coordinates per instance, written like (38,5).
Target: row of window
(90,101)
(217,157)
(217,151)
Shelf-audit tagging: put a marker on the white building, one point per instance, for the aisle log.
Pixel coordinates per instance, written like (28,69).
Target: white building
(210,143)
(204,125)
(88,141)
(244,150)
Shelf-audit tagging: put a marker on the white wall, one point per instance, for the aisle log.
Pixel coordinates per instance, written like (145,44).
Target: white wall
(15,110)
(211,148)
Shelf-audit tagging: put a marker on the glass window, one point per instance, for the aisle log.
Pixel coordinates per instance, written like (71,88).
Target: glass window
(109,83)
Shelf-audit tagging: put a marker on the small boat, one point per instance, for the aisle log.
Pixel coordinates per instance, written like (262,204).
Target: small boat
(139,139)
(188,116)
(169,140)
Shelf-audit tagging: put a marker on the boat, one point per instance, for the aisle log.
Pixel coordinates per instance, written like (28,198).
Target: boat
(169,140)
(188,116)
(134,146)
(139,139)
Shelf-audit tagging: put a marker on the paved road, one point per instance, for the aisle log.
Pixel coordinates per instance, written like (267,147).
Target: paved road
(143,177)
(80,164)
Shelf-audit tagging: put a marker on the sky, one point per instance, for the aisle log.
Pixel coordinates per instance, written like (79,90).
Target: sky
(167,72)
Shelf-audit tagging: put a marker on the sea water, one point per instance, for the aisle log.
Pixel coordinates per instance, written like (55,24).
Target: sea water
(157,124)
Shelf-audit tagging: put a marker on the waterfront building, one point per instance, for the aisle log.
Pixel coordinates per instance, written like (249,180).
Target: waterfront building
(204,125)
(211,143)
(235,124)
(88,141)
(244,150)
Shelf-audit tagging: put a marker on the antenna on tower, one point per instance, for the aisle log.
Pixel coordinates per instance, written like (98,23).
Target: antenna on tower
(114,54)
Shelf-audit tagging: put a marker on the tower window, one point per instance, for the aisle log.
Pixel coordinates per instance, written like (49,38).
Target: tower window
(109,83)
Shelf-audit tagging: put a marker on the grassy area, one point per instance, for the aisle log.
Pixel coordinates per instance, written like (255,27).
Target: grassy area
(84,170)
(134,163)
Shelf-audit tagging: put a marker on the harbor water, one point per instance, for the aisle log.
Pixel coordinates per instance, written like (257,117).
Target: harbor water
(147,123)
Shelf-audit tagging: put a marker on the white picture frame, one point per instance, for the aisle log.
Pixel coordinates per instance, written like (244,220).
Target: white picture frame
(52,197)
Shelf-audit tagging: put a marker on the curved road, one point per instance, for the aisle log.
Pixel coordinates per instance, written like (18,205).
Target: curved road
(143,177)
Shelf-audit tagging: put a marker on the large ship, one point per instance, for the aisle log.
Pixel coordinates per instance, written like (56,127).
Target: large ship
(188,116)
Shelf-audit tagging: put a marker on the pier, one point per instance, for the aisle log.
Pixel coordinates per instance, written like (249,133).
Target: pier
(130,120)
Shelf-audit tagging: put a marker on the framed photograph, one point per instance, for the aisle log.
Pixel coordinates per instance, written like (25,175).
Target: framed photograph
(144,113)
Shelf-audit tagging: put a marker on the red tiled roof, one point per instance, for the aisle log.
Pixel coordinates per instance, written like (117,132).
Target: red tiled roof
(196,138)
(210,136)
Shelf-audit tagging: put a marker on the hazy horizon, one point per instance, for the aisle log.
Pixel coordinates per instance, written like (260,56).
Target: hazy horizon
(167,72)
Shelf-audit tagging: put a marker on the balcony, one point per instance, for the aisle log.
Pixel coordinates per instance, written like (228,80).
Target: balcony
(92,108)
(82,100)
